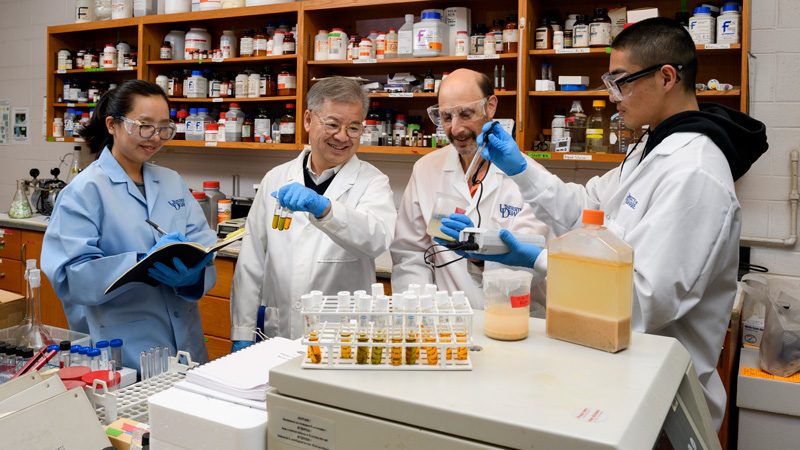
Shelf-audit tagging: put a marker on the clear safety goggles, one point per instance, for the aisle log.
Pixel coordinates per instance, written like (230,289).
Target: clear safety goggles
(332,127)
(615,81)
(147,131)
(465,112)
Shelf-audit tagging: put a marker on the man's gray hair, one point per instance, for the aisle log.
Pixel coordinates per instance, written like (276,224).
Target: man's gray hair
(337,89)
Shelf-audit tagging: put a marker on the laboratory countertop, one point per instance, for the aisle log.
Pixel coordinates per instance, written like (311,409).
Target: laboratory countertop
(37,222)
(542,390)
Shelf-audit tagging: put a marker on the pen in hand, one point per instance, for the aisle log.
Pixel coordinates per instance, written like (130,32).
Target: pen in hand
(156,226)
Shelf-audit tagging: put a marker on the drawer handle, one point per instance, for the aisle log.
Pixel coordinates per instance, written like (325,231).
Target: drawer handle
(23,250)
(2,274)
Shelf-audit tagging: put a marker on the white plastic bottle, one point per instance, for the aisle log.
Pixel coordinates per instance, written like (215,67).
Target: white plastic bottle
(109,57)
(210,5)
(84,11)
(337,45)
(177,6)
(177,39)
(430,35)
(144,8)
(196,85)
(197,39)
(405,38)
(391,44)
(121,9)
(234,119)
(200,124)
(191,127)
(729,25)
(702,26)
(558,125)
(228,44)
(321,46)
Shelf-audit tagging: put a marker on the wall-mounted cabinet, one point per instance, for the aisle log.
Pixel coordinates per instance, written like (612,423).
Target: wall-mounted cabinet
(531,110)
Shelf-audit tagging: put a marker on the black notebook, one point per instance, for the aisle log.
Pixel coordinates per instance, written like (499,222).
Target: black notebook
(190,253)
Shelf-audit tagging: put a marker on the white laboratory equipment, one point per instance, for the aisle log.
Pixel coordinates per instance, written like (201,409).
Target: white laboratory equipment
(533,393)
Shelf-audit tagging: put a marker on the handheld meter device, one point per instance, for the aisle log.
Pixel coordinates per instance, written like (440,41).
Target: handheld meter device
(487,242)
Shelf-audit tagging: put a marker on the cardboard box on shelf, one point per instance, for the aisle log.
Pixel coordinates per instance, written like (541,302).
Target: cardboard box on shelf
(12,309)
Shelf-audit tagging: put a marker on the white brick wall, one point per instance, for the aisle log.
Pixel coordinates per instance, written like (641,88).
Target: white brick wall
(775,100)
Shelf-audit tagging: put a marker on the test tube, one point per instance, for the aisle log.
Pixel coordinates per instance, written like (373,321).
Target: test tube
(112,375)
(144,366)
(288,221)
(381,305)
(363,302)
(459,305)
(116,352)
(165,354)
(105,354)
(410,307)
(156,351)
(94,359)
(428,329)
(64,354)
(84,357)
(56,361)
(442,301)
(74,356)
(276,215)
(397,329)
(377,289)
(282,218)
(314,353)
(345,335)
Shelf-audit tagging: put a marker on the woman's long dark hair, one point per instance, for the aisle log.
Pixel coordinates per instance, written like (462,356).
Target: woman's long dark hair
(115,103)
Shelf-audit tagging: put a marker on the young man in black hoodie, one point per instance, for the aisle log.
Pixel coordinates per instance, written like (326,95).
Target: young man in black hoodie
(672,200)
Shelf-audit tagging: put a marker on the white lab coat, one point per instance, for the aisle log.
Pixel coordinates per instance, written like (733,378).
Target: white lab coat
(501,206)
(333,254)
(679,212)
(95,234)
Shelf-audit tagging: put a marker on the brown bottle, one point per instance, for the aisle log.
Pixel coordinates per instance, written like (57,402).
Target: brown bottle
(287,125)
(511,36)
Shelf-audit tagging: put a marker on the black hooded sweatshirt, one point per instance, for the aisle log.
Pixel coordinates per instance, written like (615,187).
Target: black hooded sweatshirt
(741,138)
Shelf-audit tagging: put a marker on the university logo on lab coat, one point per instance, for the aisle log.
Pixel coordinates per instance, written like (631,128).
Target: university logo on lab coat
(178,203)
(508,210)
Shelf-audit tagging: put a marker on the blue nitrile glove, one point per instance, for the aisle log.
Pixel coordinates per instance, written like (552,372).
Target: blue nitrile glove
(180,276)
(297,197)
(165,239)
(522,255)
(453,225)
(238,345)
(502,150)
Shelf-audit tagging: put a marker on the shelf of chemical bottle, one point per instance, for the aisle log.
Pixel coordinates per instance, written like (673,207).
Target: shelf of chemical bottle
(227,13)
(74,105)
(114,24)
(601,51)
(277,98)
(233,145)
(95,70)
(238,60)
(604,93)
(611,158)
(395,150)
(407,61)
(65,139)
(498,93)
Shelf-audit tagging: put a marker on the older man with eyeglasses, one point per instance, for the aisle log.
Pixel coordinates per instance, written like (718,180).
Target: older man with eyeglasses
(466,102)
(343,217)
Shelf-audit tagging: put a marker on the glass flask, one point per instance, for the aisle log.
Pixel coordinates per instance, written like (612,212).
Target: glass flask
(31,333)
(20,206)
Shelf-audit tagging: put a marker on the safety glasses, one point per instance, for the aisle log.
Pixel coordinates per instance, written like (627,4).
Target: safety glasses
(615,81)
(466,112)
(147,131)
(331,127)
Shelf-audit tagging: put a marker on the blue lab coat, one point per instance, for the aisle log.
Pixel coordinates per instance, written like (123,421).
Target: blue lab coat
(95,234)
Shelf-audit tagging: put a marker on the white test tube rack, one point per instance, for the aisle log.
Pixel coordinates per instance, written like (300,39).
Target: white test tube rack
(329,326)
(130,402)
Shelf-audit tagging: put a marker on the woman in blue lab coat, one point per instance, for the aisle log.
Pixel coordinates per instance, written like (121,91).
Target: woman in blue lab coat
(98,231)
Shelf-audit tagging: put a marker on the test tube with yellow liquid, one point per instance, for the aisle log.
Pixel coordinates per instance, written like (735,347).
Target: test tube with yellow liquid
(445,332)
(276,215)
(428,329)
(397,330)
(381,306)
(460,328)
(412,332)
(345,334)
(310,326)
(363,303)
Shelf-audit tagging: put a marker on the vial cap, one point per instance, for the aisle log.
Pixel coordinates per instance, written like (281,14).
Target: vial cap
(30,263)
(317,296)
(415,288)
(593,217)
(730,7)
(382,303)
(343,298)
(64,345)
(377,289)
(702,10)
(441,297)
(431,15)
(210,184)
(234,105)
(426,302)
(94,352)
(202,110)
(195,73)
(359,293)
(75,349)
(116,342)
(599,103)
(199,195)
(430,289)
(364,302)
(459,297)
(83,350)
(193,111)
(35,278)
(101,344)
(53,347)
(307,302)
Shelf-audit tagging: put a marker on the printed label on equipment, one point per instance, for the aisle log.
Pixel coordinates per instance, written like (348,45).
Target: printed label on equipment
(217,100)
(303,430)
(211,144)
(520,301)
(365,61)
(563,51)
(717,46)
(401,94)
(540,155)
(578,157)
(61,71)
(474,57)
(591,415)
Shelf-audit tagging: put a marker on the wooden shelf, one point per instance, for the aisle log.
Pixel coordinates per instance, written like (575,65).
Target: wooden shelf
(588,52)
(609,158)
(430,94)
(603,93)
(233,145)
(395,150)
(239,60)
(93,26)
(278,98)
(228,13)
(407,61)
(94,71)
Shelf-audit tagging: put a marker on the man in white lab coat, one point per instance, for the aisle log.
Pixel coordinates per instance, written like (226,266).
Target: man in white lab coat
(343,217)
(466,102)
(672,200)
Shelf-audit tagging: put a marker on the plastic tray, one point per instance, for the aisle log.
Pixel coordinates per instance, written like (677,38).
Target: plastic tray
(394,355)
(57,334)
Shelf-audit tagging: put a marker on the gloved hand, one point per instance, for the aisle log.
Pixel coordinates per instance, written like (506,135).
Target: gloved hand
(238,345)
(180,276)
(453,225)
(167,239)
(502,150)
(297,197)
(522,255)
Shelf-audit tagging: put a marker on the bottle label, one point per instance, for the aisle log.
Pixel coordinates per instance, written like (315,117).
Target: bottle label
(289,47)
(246,45)
(180,127)
(541,39)
(594,133)
(391,47)
(260,45)
(580,36)
(287,127)
(246,131)
(520,301)
(600,33)
(166,53)
(511,35)
(287,81)
(405,42)
(262,127)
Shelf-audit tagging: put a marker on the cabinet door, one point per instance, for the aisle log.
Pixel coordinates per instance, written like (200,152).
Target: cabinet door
(217,347)
(215,314)
(52,309)
(10,275)
(9,243)
(225,268)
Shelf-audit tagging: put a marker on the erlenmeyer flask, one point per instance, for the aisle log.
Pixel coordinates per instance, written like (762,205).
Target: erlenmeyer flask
(20,206)
(31,333)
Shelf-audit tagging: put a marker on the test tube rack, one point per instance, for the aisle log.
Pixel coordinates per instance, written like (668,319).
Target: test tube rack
(130,402)
(442,350)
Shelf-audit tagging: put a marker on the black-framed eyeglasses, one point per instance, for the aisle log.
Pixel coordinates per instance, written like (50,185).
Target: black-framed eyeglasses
(147,131)
(332,127)
(614,81)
